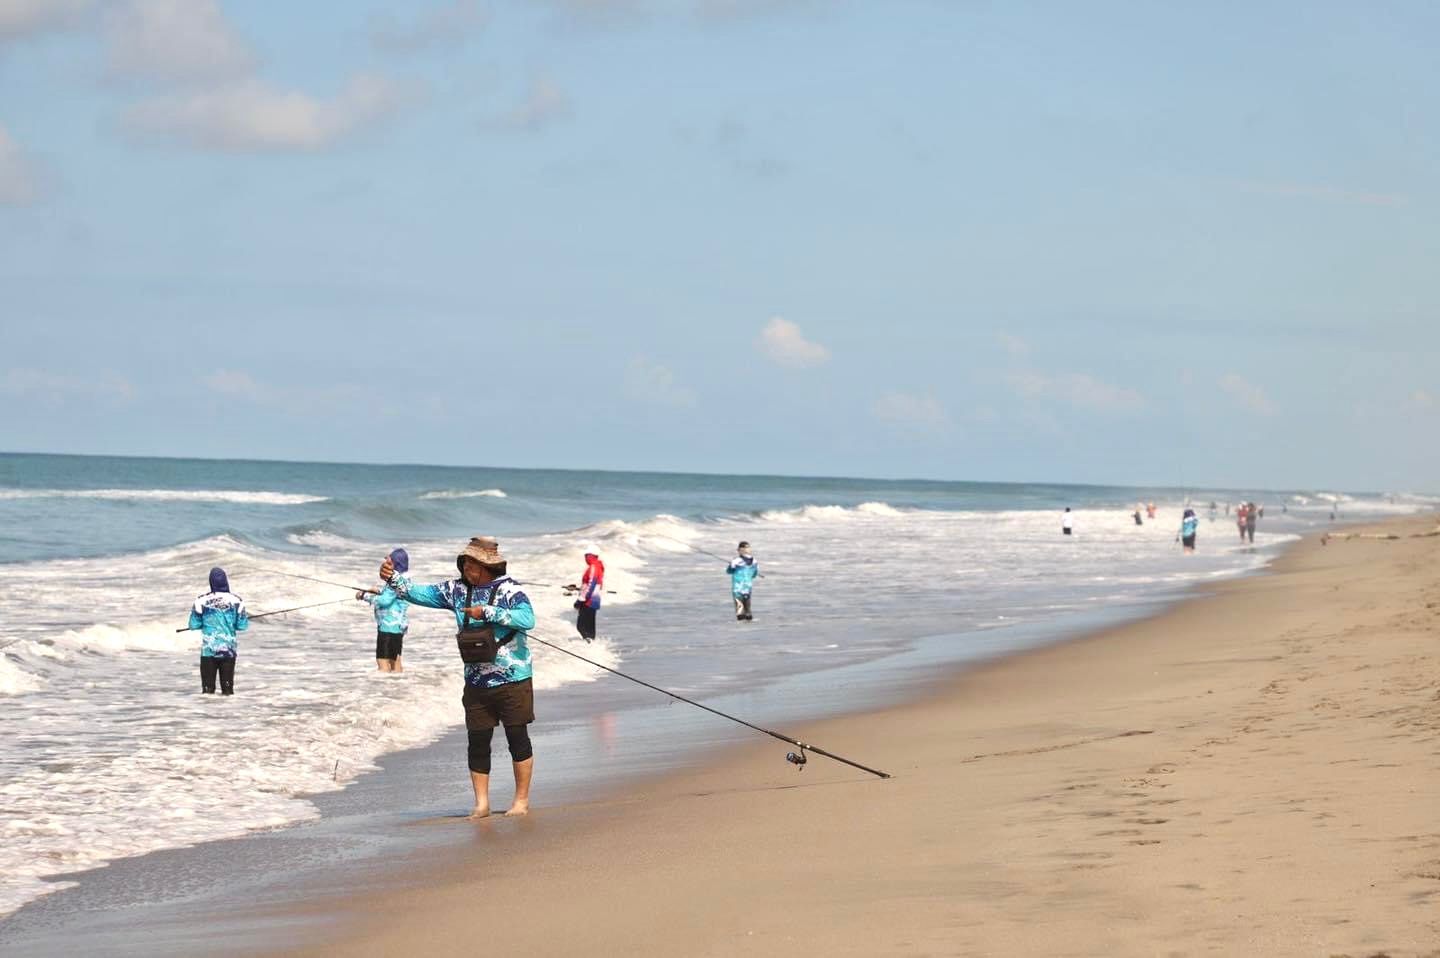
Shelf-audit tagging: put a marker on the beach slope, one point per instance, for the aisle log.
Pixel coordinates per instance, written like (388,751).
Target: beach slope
(1253,772)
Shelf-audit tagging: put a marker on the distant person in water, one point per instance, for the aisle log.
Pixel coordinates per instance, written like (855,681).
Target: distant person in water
(392,618)
(1150,511)
(743,570)
(1189,525)
(1252,515)
(220,616)
(493,616)
(587,595)
(1138,521)
(1240,511)
(1067,522)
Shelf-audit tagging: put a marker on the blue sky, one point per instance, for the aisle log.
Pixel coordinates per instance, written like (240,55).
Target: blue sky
(1104,242)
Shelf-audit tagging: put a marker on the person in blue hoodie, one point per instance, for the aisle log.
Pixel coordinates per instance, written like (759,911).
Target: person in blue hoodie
(743,570)
(219,615)
(493,615)
(1189,525)
(392,618)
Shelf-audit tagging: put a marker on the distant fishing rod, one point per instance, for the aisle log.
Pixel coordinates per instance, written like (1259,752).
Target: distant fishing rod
(791,757)
(338,585)
(714,555)
(297,608)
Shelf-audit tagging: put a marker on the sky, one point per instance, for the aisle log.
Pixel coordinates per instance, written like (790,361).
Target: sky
(1128,243)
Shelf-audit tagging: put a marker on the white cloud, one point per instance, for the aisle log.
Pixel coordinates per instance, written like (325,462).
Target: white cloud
(1077,389)
(1247,394)
(449,24)
(253,116)
(22,18)
(19,180)
(651,382)
(907,412)
(1330,193)
(1014,345)
(40,385)
(782,341)
(175,40)
(339,399)
(735,9)
(544,104)
(231,382)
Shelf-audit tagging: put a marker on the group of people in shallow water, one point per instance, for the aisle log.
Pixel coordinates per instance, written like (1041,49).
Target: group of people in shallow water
(493,618)
(1247,516)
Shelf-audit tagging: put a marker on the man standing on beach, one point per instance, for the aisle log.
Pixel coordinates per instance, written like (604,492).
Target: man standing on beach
(742,569)
(1251,515)
(1067,522)
(493,615)
(219,615)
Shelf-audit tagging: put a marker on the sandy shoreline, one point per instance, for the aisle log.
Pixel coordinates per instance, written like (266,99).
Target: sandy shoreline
(1252,772)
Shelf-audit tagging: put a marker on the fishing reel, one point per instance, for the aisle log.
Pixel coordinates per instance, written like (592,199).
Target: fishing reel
(798,760)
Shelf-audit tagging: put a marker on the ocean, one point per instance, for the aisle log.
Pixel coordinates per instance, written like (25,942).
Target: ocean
(107,749)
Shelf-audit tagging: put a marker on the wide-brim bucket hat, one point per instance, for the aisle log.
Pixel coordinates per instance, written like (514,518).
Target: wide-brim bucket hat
(483,550)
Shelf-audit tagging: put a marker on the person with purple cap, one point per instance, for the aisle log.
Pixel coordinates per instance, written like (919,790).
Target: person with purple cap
(218,614)
(392,618)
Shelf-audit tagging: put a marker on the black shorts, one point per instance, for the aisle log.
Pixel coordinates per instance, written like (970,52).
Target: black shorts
(510,704)
(389,644)
(1066,531)
(1189,542)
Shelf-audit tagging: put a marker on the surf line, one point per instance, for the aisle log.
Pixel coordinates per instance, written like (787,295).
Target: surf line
(261,615)
(791,757)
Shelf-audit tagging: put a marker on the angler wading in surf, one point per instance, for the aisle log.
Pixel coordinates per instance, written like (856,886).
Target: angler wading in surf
(219,615)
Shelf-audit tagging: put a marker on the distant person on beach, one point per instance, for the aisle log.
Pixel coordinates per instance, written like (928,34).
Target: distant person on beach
(587,600)
(1150,511)
(1138,521)
(742,569)
(493,615)
(1240,511)
(1251,516)
(1067,522)
(392,618)
(1189,525)
(219,615)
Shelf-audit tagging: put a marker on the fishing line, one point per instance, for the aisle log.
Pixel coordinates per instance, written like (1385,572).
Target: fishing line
(338,585)
(261,615)
(713,555)
(791,757)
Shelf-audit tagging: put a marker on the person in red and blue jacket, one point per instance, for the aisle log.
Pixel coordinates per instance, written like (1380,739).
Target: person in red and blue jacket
(587,601)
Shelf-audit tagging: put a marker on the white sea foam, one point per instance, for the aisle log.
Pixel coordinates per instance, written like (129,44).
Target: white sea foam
(461,494)
(240,496)
(107,750)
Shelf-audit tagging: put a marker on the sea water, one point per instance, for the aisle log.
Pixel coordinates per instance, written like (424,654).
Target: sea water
(108,749)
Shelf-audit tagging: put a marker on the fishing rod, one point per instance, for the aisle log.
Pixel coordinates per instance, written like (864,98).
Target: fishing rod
(790,757)
(713,555)
(567,588)
(338,585)
(297,608)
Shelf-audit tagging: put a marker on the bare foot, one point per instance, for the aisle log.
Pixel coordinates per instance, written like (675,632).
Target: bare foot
(518,808)
(480,811)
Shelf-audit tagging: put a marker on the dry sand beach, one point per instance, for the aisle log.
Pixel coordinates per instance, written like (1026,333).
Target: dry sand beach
(1253,772)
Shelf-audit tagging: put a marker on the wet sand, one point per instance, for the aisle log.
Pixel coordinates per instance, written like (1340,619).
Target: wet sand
(1253,772)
